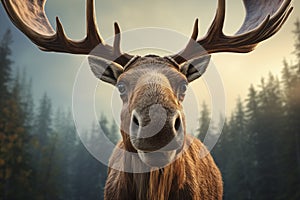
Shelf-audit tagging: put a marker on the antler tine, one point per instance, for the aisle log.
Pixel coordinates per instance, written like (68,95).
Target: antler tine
(217,25)
(264,18)
(195,30)
(29,16)
(279,20)
(117,41)
(215,29)
(180,58)
(91,25)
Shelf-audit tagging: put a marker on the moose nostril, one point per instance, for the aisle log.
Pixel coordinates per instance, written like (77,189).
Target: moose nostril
(177,123)
(134,124)
(135,120)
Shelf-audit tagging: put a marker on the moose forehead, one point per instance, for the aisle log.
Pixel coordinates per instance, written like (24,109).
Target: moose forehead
(152,69)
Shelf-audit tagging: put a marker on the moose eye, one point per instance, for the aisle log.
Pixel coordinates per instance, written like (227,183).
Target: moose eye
(122,88)
(183,88)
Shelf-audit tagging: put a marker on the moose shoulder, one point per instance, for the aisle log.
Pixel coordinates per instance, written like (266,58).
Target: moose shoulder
(152,89)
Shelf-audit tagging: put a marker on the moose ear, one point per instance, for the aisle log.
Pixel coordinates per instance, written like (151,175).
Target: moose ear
(193,69)
(105,70)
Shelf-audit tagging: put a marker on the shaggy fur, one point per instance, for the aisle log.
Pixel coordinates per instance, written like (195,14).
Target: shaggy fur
(190,177)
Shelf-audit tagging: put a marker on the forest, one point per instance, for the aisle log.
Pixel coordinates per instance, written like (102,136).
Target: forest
(42,158)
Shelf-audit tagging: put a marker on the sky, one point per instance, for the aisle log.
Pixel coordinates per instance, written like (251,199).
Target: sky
(55,73)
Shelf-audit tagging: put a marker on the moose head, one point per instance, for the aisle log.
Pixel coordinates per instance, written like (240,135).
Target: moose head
(152,88)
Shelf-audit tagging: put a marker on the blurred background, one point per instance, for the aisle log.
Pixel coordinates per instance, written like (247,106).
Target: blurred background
(41,156)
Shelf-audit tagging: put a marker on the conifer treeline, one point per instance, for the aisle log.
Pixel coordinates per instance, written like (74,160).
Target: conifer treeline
(259,149)
(41,157)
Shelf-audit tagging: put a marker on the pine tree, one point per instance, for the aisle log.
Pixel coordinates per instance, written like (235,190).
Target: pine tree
(243,150)
(297,39)
(43,121)
(252,114)
(270,132)
(114,134)
(294,99)
(14,158)
(204,122)
(238,166)
(65,154)
(5,65)
(291,83)
(90,173)
(44,147)
(27,101)
(228,155)
(221,151)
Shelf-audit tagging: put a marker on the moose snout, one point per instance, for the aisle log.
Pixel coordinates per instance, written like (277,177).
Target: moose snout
(156,129)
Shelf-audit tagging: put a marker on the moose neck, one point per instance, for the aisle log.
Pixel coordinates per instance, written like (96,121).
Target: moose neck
(159,183)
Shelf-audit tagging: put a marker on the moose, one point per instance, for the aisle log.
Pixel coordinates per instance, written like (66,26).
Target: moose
(152,89)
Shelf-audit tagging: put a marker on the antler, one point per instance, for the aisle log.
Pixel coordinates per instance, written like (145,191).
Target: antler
(29,16)
(264,18)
